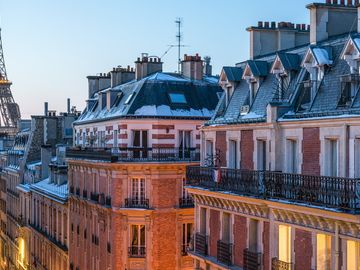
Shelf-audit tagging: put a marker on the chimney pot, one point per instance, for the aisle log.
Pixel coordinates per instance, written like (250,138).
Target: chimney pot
(298,26)
(266,24)
(342,2)
(260,24)
(356,3)
(273,24)
(334,2)
(328,2)
(349,2)
(308,27)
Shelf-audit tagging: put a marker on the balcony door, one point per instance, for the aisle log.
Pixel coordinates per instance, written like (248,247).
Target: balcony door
(137,236)
(261,155)
(331,157)
(140,141)
(323,252)
(233,154)
(285,243)
(138,191)
(184,143)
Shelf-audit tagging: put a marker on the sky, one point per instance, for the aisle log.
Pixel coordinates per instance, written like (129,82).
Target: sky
(50,46)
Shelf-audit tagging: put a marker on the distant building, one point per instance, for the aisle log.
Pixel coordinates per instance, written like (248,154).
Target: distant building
(278,185)
(33,184)
(128,206)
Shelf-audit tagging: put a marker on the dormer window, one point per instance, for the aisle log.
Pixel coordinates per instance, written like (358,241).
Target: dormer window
(230,77)
(253,74)
(351,54)
(127,101)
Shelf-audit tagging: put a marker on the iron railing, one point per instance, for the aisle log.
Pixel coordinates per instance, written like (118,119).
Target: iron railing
(252,260)
(136,154)
(108,201)
(137,252)
(51,238)
(186,202)
(94,197)
(331,192)
(137,203)
(276,264)
(201,244)
(224,252)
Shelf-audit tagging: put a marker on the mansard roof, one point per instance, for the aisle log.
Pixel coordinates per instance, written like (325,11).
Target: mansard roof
(150,97)
(325,101)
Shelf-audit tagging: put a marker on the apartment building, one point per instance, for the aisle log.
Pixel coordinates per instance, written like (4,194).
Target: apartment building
(27,241)
(278,185)
(128,208)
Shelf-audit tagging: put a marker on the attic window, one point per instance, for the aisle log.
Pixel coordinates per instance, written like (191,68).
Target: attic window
(95,106)
(178,98)
(118,99)
(127,101)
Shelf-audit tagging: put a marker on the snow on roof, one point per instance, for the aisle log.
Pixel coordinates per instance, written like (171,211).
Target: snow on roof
(322,56)
(51,189)
(164,110)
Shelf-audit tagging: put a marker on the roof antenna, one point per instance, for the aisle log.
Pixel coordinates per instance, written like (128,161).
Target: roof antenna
(179,37)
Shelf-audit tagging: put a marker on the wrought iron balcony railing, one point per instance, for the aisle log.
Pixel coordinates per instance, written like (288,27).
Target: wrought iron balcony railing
(137,252)
(136,203)
(136,154)
(224,252)
(186,202)
(252,260)
(201,244)
(276,264)
(50,237)
(331,192)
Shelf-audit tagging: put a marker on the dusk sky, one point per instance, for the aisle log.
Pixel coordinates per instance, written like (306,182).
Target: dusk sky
(51,46)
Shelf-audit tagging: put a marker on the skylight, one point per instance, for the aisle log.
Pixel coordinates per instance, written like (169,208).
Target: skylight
(178,98)
(117,99)
(127,101)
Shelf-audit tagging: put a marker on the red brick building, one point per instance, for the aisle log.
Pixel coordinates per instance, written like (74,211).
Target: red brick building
(279,183)
(128,208)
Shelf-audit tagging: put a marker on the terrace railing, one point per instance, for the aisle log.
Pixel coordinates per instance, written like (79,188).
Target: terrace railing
(252,260)
(136,154)
(224,252)
(331,192)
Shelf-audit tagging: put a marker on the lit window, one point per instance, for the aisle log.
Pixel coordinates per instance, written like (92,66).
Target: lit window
(285,243)
(353,255)
(323,251)
(177,98)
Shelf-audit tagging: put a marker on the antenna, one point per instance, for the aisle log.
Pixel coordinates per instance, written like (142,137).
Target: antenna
(179,37)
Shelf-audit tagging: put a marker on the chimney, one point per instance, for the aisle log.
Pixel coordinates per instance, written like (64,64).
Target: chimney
(45,160)
(46,109)
(121,75)
(147,65)
(331,19)
(268,37)
(98,82)
(192,67)
(68,106)
(207,67)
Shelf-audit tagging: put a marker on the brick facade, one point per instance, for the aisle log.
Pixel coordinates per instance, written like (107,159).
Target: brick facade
(311,151)
(266,246)
(247,149)
(220,145)
(303,250)
(214,231)
(240,236)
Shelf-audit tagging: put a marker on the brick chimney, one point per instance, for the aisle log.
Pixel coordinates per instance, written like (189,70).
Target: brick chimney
(147,65)
(269,37)
(192,67)
(98,82)
(121,75)
(335,17)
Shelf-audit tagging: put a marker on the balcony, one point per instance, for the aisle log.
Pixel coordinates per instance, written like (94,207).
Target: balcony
(94,197)
(136,203)
(224,252)
(276,264)
(135,154)
(331,192)
(201,246)
(49,237)
(186,202)
(137,252)
(252,260)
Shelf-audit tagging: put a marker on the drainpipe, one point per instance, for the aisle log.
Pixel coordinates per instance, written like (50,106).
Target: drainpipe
(337,243)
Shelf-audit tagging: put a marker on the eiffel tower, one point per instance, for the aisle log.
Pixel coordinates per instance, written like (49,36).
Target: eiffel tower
(9,110)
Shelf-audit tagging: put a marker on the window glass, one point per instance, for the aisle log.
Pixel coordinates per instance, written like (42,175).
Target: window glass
(177,98)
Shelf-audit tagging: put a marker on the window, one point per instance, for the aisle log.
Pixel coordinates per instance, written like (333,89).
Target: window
(187,230)
(253,91)
(209,153)
(291,158)
(253,235)
(323,252)
(101,138)
(285,243)
(203,217)
(84,139)
(233,154)
(137,238)
(178,98)
(77,138)
(184,143)
(357,158)
(138,190)
(127,101)
(352,255)
(261,155)
(118,99)
(226,230)
(115,135)
(140,140)
(331,157)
